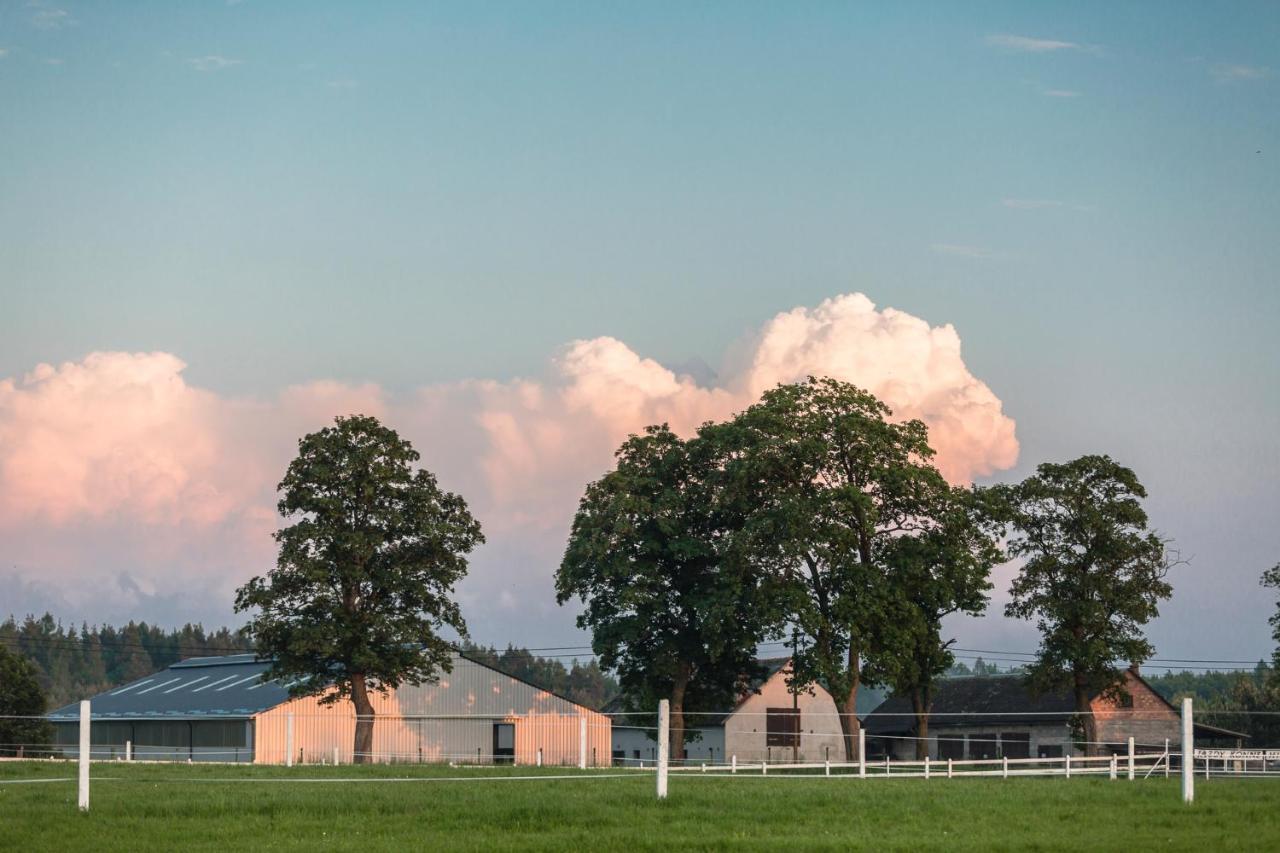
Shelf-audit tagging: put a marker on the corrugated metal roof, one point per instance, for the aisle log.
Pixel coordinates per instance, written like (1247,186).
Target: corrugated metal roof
(223,687)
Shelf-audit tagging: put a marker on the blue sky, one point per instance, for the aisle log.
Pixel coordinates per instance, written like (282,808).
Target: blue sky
(407,194)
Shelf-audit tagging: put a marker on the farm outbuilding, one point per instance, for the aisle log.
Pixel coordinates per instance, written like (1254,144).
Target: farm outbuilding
(982,717)
(222,709)
(767,723)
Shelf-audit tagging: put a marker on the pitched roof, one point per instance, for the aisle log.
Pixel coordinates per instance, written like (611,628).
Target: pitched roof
(222,687)
(983,699)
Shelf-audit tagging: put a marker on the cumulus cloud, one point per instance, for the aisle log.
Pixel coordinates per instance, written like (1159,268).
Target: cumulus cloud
(115,465)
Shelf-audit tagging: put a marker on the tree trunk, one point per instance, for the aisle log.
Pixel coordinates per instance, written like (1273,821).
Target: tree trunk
(676,739)
(920,707)
(1085,715)
(847,706)
(362,752)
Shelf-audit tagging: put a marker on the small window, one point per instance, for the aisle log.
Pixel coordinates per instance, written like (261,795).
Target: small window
(1047,751)
(1015,744)
(782,727)
(951,746)
(983,746)
(1126,700)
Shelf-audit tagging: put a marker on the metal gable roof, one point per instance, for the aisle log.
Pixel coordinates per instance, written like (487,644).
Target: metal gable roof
(223,687)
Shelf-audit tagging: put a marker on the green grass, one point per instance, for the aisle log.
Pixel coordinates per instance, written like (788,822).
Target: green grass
(159,807)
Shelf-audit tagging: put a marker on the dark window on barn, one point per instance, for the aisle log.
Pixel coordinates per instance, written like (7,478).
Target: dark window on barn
(983,745)
(1125,700)
(782,727)
(635,753)
(1015,745)
(951,746)
(1047,751)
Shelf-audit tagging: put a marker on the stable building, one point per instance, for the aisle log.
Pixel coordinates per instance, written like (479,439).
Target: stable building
(767,723)
(984,717)
(226,709)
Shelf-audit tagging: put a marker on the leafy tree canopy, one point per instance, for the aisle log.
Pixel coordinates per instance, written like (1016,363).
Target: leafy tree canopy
(22,702)
(669,606)
(364,579)
(1271,578)
(1094,574)
(832,482)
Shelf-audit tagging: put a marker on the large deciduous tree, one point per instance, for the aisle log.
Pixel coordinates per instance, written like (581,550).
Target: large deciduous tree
(1094,575)
(23,729)
(1271,578)
(937,572)
(670,608)
(364,579)
(833,482)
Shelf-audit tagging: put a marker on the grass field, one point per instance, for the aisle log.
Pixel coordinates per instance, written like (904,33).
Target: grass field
(159,807)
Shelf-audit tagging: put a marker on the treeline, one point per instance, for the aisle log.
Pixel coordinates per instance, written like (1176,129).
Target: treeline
(584,683)
(1245,702)
(961,670)
(72,663)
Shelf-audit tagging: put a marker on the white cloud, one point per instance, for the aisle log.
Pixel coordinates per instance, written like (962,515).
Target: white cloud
(1229,73)
(50,18)
(1027,44)
(4,51)
(962,251)
(53,61)
(115,463)
(1029,203)
(212,62)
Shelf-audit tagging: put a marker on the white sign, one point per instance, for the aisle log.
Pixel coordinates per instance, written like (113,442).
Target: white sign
(1240,754)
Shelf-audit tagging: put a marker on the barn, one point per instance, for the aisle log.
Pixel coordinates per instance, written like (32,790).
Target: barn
(225,709)
(768,723)
(983,717)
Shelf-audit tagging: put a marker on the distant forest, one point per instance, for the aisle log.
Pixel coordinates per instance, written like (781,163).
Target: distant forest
(74,663)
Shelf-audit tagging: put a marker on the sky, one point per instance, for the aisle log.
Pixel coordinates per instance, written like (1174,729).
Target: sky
(518,232)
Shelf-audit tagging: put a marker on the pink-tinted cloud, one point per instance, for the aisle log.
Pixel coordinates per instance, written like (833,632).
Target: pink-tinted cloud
(116,461)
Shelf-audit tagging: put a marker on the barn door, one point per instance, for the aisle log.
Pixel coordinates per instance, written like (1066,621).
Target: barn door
(504,743)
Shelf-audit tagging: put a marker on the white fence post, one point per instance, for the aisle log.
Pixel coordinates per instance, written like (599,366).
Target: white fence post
(733,763)
(1130,758)
(1067,764)
(582,743)
(288,740)
(128,750)
(335,756)
(926,767)
(1188,753)
(862,753)
(1113,767)
(1005,762)
(85,747)
(664,731)
(948,768)
(1166,758)
(827,762)
(539,756)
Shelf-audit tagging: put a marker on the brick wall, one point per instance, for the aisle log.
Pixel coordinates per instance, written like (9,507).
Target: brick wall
(1149,721)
